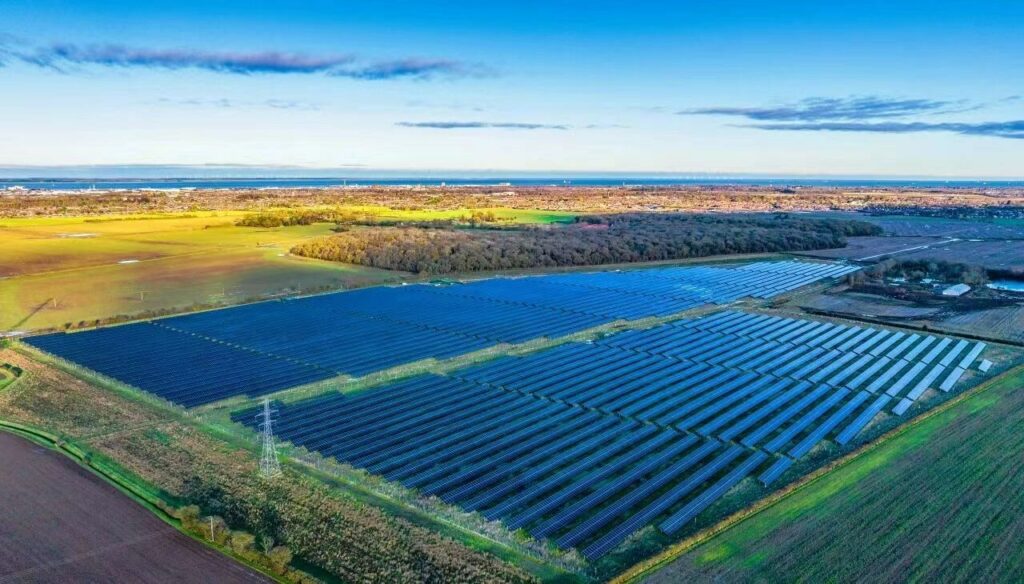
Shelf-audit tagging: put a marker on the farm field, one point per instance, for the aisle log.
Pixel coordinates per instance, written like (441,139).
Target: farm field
(276,345)
(857,304)
(1006,322)
(61,523)
(47,244)
(55,271)
(1006,255)
(918,226)
(938,502)
(873,248)
(586,443)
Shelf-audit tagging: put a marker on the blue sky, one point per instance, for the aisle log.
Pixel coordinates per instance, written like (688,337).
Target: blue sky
(820,88)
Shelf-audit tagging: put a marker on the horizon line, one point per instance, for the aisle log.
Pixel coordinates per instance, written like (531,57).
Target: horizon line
(110,172)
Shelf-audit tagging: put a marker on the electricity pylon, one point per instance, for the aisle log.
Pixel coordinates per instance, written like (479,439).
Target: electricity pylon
(270,467)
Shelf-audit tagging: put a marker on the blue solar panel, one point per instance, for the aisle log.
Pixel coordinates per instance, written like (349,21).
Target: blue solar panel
(775,471)
(712,493)
(573,489)
(552,450)
(268,346)
(642,491)
(700,475)
(566,474)
(530,439)
(862,419)
(815,436)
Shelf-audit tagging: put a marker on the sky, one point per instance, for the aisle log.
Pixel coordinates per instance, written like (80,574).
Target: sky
(841,88)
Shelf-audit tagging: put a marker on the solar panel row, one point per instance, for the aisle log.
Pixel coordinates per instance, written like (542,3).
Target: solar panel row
(526,463)
(269,346)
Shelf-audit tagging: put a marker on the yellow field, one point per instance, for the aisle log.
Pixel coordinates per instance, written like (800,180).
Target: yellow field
(60,270)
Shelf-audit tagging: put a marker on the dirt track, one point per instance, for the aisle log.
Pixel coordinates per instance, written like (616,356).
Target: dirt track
(60,523)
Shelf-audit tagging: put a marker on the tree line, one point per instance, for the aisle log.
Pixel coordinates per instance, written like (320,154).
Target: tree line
(917,270)
(592,240)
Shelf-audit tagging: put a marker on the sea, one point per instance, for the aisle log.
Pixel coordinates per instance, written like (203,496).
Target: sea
(78,184)
(1008,285)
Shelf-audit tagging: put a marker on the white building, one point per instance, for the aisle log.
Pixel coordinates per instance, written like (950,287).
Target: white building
(956,290)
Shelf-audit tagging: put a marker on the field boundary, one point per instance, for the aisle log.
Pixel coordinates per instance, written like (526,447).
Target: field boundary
(125,484)
(644,568)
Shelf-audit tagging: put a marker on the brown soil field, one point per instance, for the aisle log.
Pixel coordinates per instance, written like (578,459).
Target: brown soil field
(1004,254)
(993,255)
(866,305)
(941,227)
(61,523)
(1005,323)
(872,248)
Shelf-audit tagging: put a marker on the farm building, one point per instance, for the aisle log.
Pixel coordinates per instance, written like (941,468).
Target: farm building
(956,290)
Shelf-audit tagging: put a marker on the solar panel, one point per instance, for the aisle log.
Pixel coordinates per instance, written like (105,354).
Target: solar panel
(622,530)
(862,419)
(972,355)
(785,415)
(806,420)
(589,480)
(712,493)
(902,406)
(951,379)
(926,382)
(642,491)
(780,466)
(815,436)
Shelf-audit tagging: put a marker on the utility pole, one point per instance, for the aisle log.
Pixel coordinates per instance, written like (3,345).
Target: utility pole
(270,467)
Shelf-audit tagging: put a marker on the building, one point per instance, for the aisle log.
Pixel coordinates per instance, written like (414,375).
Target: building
(956,290)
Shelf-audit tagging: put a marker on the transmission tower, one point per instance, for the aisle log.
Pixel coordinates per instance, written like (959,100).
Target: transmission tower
(269,465)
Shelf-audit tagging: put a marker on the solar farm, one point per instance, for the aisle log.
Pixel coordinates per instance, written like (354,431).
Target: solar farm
(582,443)
(261,348)
(587,442)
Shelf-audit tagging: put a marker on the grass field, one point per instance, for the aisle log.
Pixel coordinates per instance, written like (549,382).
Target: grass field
(80,269)
(938,502)
(57,270)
